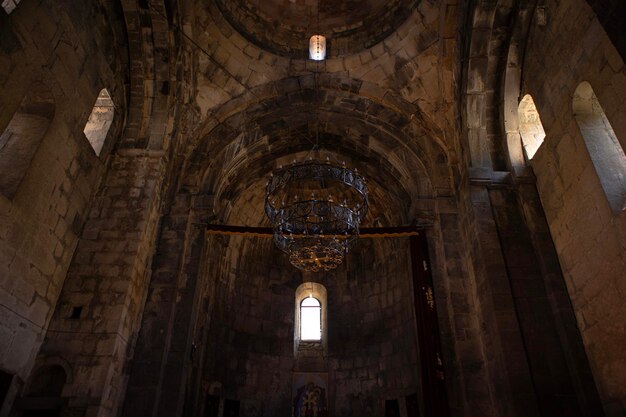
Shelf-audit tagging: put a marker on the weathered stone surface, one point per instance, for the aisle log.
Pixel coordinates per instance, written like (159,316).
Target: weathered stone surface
(108,278)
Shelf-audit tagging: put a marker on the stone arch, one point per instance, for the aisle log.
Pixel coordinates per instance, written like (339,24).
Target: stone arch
(401,146)
(493,45)
(44,391)
(148,25)
(47,381)
(392,203)
(21,138)
(512,83)
(605,150)
(395,197)
(331,90)
(232,153)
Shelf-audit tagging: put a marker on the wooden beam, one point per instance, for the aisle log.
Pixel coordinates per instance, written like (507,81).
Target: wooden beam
(225,229)
(366,232)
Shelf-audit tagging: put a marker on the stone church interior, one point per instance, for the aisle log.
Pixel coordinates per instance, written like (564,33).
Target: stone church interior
(312,208)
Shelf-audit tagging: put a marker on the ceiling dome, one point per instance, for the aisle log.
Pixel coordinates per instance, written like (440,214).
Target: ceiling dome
(284,26)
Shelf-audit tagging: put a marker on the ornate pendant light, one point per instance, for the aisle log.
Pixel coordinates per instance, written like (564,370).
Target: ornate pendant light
(317,42)
(315,209)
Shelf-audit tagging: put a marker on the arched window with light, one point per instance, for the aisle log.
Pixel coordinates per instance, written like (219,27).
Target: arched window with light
(530,127)
(310,317)
(100,120)
(10,5)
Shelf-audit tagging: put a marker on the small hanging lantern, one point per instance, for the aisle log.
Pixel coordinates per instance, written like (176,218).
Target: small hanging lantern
(317,47)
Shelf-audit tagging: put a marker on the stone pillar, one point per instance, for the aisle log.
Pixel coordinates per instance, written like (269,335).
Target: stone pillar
(558,304)
(165,348)
(502,340)
(97,317)
(529,325)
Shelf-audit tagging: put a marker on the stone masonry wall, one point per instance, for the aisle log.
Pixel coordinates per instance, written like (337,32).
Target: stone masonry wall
(108,279)
(252,324)
(371,329)
(43,42)
(589,238)
(178,298)
(372,346)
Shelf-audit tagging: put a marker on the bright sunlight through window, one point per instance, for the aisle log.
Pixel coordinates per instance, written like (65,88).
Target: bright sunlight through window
(310,319)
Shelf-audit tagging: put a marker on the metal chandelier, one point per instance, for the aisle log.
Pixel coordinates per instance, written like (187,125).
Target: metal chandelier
(315,209)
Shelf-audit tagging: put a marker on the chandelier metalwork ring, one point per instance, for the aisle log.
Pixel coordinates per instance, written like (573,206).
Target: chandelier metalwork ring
(315,209)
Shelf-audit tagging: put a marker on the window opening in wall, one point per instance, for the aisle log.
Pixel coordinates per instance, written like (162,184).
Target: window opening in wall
(212,406)
(76,312)
(310,314)
(231,408)
(604,148)
(23,135)
(530,127)
(100,121)
(310,319)
(10,5)
(392,408)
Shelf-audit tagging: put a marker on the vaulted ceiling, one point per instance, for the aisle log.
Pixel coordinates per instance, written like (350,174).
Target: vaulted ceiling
(383,100)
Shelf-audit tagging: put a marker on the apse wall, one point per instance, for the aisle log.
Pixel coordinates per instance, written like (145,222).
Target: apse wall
(372,340)
(371,353)
(51,71)
(567,50)
(252,323)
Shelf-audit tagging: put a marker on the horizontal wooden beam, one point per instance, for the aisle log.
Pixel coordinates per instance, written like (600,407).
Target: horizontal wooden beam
(366,232)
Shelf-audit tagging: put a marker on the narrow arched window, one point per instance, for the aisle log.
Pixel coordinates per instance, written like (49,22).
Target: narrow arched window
(310,319)
(100,121)
(530,127)
(10,5)
(604,148)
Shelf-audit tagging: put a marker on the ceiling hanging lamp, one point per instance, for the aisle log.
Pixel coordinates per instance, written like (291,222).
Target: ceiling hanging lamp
(317,47)
(317,42)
